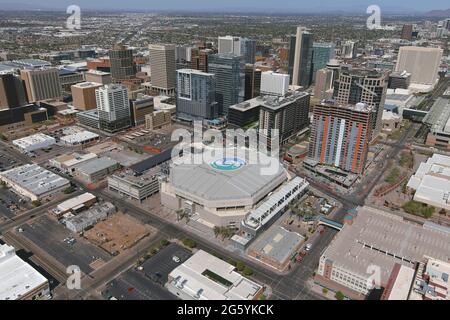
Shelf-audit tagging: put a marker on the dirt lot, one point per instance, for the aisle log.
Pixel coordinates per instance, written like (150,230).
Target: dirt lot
(118,233)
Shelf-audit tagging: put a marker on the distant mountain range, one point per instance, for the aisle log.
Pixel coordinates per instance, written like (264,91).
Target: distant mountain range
(438,13)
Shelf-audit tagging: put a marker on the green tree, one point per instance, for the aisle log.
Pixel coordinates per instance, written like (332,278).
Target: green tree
(35,203)
(339,295)
(240,266)
(247,271)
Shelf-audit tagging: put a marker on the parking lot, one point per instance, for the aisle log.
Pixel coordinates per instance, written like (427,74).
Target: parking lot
(54,238)
(133,285)
(147,281)
(160,265)
(11,204)
(7,161)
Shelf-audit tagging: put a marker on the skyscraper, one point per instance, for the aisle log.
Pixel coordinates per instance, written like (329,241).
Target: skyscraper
(288,115)
(301,60)
(41,84)
(199,59)
(196,95)
(322,54)
(274,84)
(113,107)
(239,46)
(340,135)
(12,93)
(252,81)
(230,79)
(348,50)
(407,31)
(368,86)
(323,85)
(423,64)
(162,65)
(183,56)
(122,64)
(83,95)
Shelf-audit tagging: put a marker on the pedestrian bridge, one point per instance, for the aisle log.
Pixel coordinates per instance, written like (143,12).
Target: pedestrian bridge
(320,220)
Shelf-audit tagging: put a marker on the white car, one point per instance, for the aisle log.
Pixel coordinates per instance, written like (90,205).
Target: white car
(176,259)
(308,246)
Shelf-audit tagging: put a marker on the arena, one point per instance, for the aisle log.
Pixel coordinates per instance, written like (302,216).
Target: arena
(222,191)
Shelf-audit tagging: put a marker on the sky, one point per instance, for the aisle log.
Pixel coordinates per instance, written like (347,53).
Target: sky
(269,6)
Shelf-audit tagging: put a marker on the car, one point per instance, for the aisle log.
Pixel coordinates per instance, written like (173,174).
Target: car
(308,246)
(176,259)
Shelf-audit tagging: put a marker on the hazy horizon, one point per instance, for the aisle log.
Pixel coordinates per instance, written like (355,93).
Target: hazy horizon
(248,6)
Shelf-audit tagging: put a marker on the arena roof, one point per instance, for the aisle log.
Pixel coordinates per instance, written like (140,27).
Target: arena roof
(226,179)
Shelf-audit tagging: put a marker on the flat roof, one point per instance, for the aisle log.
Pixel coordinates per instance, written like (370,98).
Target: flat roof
(17,277)
(379,238)
(34,139)
(79,137)
(75,202)
(97,165)
(152,162)
(85,85)
(277,243)
(432,181)
(35,179)
(213,279)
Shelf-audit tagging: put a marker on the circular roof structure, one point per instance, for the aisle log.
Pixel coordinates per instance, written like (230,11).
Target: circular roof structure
(228,180)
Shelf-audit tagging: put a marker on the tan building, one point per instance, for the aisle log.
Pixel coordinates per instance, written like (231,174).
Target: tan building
(157,120)
(140,108)
(98,76)
(41,84)
(423,64)
(83,95)
(162,64)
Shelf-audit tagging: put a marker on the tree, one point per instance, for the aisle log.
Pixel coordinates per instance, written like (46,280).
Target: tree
(165,242)
(339,295)
(69,189)
(324,290)
(247,271)
(35,203)
(189,243)
(240,266)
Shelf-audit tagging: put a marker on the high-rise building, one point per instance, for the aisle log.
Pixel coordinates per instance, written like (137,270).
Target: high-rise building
(41,84)
(340,135)
(122,64)
(183,56)
(288,115)
(324,84)
(140,107)
(113,108)
(348,50)
(162,65)
(83,95)
(98,77)
(368,86)
(248,50)
(334,66)
(274,84)
(252,81)
(301,60)
(239,46)
(423,64)
(12,92)
(199,59)
(230,79)
(407,31)
(196,95)
(322,54)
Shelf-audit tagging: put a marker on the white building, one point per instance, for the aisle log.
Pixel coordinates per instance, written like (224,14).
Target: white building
(75,204)
(113,107)
(89,217)
(229,44)
(135,187)
(34,142)
(431,182)
(205,277)
(423,64)
(19,280)
(79,138)
(33,181)
(273,83)
(69,162)
(377,241)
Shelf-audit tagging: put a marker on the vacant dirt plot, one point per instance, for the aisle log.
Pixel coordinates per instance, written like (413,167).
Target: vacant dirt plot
(118,233)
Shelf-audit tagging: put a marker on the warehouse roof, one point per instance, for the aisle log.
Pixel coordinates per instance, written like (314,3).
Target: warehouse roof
(17,277)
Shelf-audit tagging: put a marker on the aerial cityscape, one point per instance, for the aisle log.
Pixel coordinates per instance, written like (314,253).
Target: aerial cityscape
(224,150)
